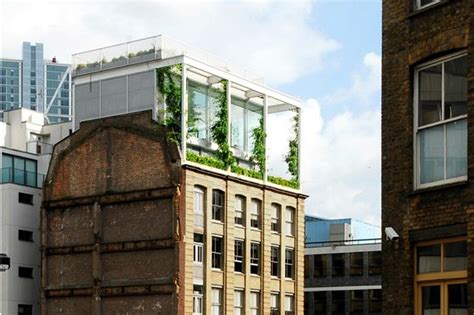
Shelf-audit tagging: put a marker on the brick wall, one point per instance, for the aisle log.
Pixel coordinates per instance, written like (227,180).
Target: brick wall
(411,38)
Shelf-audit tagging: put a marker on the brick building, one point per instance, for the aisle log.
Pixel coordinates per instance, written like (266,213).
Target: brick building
(427,156)
(131,224)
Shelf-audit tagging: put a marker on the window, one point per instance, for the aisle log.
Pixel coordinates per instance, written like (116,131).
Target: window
(275,304)
(289,305)
(239,302)
(421,4)
(255,213)
(357,302)
(254,303)
(202,110)
(25,272)
(338,262)
(217,248)
(198,249)
(441,125)
(320,266)
(19,171)
(276,211)
(198,298)
(320,303)
(245,117)
(289,263)
(255,258)
(289,223)
(375,263)
(275,261)
(240,210)
(25,198)
(25,309)
(216,301)
(26,236)
(217,205)
(239,256)
(199,206)
(375,301)
(339,302)
(357,264)
(441,277)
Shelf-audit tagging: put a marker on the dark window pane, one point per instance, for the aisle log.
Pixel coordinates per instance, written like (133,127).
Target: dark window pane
(457,299)
(320,266)
(357,264)
(455,87)
(26,236)
(25,309)
(375,263)
(239,256)
(375,301)
(429,95)
(217,252)
(357,302)
(430,300)
(429,259)
(338,302)
(25,198)
(338,265)
(320,303)
(25,272)
(275,261)
(255,258)
(455,256)
(217,205)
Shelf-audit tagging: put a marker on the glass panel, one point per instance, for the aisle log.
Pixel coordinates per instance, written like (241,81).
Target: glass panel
(338,265)
(375,263)
(429,258)
(338,302)
(456,142)
(455,256)
(7,171)
(455,87)
(320,266)
(429,97)
(431,300)
(375,301)
(197,115)
(357,264)
(19,171)
(432,154)
(457,299)
(320,303)
(30,173)
(254,115)
(237,125)
(357,302)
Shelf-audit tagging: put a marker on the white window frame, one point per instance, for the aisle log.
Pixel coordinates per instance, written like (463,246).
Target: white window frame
(274,303)
(255,213)
(240,209)
(277,261)
(290,221)
(198,303)
(198,253)
(255,261)
(254,309)
(276,215)
(236,258)
(287,264)
(221,253)
(199,205)
(239,309)
(289,304)
(416,148)
(220,208)
(216,306)
(419,6)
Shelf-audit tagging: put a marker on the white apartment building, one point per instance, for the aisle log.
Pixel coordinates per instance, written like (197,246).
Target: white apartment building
(25,146)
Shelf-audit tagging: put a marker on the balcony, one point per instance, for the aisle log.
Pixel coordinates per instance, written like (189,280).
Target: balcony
(39,147)
(22,177)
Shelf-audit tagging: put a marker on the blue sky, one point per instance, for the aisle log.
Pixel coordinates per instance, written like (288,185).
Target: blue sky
(325,52)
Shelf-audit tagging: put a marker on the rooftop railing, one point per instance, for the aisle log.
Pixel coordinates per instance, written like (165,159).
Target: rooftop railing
(21,177)
(368,241)
(151,48)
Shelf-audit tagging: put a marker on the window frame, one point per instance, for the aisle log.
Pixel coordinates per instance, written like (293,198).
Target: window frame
(290,265)
(199,205)
(255,260)
(275,263)
(418,5)
(217,254)
(240,308)
(216,304)
(290,213)
(243,201)
(443,122)
(242,257)
(257,203)
(275,218)
(217,209)
(198,302)
(289,304)
(198,251)
(274,309)
(255,309)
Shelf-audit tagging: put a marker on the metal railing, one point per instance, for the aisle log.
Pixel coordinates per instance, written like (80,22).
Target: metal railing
(21,177)
(39,147)
(367,241)
(156,47)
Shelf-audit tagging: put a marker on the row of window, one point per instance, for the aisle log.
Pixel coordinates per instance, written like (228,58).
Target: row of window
(217,256)
(240,204)
(239,302)
(343,302)
(338,263)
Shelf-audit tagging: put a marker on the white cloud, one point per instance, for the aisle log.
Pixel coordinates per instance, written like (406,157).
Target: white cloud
(275,39)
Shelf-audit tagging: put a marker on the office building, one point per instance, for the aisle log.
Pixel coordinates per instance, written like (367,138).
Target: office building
(37,84)
(179,215)
(427,154)
(342,271)
(25,146)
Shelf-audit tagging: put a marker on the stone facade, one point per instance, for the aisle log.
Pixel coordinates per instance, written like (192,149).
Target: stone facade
(412,37)
(118,227)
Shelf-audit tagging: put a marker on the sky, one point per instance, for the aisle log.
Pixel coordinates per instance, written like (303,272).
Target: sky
(327,53)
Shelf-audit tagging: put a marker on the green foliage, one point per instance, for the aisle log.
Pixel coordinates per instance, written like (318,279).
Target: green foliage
(205,160)
(292,183)
(246,172)
(219,129)
(258,151)
(169,86)
(292,157)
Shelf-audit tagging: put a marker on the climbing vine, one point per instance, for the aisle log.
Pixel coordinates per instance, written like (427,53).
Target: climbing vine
(292,157)
(219,129)
(258,151)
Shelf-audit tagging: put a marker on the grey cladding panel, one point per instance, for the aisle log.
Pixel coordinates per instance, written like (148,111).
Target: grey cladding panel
(114,97)
(86,102)
(141,91)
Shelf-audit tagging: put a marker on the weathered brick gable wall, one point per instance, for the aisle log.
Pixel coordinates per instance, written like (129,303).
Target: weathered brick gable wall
(110,238)
(408,40)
